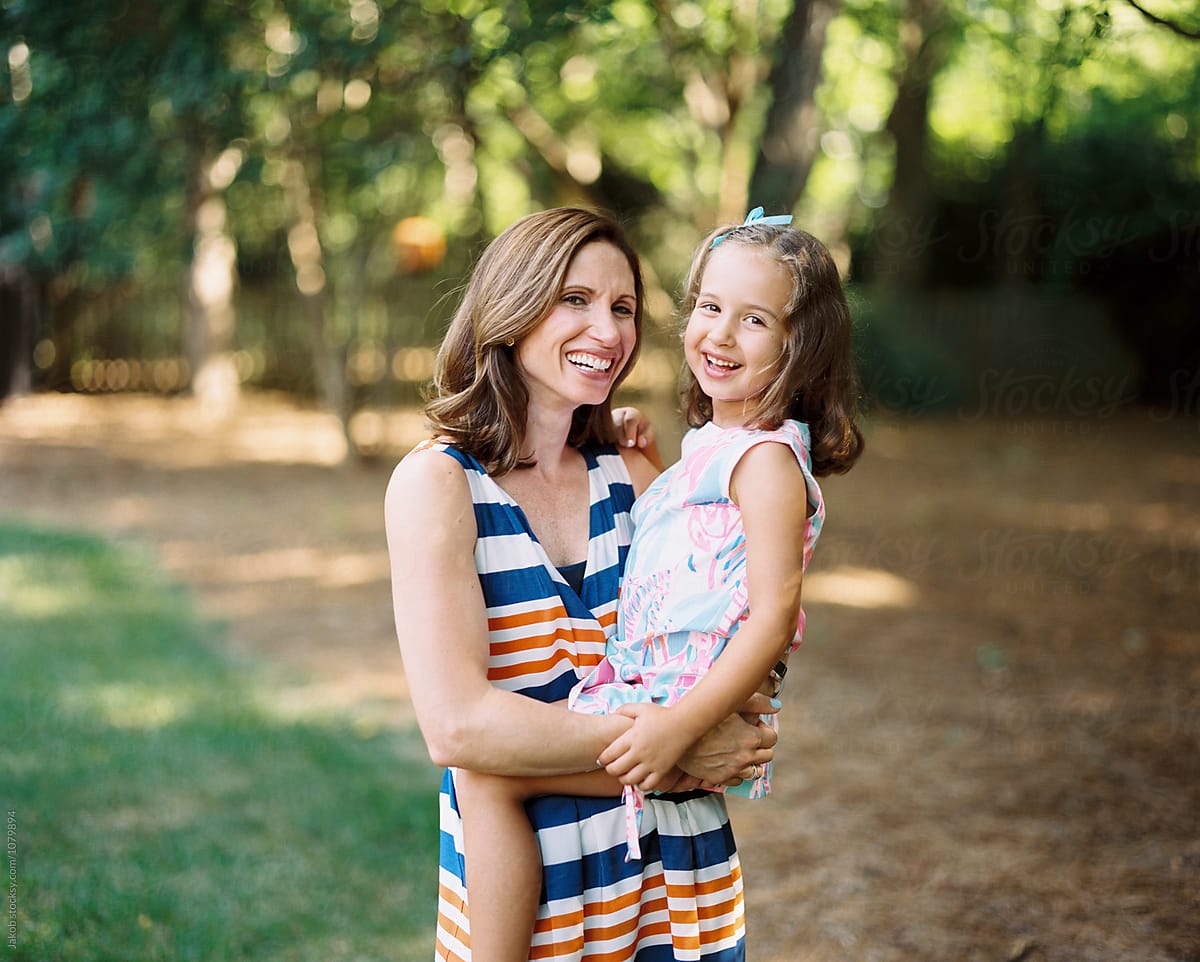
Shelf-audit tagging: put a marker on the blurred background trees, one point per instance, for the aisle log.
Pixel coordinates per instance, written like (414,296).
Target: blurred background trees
(199,195)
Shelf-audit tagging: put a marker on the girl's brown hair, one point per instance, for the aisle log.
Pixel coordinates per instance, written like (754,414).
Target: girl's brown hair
(816,380)
(478,399)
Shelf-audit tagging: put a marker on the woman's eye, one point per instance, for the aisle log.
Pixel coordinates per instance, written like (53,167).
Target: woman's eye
(624,309)
(575,299)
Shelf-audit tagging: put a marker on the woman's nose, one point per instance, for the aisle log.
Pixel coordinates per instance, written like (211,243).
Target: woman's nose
(604,325)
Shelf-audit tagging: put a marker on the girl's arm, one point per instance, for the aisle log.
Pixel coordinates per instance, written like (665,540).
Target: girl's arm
(441,623)
(770,489)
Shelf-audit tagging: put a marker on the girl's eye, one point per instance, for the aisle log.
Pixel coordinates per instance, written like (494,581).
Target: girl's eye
(755,319)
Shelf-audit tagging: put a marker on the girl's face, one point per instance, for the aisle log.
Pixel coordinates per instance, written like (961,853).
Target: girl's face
(737,330)
(575,354)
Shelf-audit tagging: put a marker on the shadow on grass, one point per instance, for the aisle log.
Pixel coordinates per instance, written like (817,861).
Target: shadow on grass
(157,811)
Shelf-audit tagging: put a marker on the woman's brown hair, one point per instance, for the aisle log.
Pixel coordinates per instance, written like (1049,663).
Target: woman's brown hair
(816,380)
(478,398)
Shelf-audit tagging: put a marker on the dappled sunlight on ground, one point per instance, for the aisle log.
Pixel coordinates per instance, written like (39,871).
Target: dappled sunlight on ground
(281,544)
(260,429)
(859,588)
(990,737)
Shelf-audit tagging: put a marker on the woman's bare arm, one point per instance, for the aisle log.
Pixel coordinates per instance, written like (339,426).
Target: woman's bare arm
(441,624)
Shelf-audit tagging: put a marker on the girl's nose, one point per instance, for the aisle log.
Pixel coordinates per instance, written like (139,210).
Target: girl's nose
(721,331)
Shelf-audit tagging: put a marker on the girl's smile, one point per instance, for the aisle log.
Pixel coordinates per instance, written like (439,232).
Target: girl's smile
(736,332)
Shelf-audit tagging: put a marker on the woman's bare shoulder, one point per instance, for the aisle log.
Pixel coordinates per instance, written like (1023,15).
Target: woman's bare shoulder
(427,478)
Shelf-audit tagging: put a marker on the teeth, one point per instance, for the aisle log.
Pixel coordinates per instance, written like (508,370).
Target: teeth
(590,360)
(716,362)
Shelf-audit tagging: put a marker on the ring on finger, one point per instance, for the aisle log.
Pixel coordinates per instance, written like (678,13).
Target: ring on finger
(757,771)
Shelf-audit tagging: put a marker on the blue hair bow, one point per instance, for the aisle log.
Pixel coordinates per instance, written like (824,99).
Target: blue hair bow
(754,217)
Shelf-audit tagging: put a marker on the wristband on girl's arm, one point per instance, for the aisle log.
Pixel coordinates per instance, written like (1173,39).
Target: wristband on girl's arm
(777,674)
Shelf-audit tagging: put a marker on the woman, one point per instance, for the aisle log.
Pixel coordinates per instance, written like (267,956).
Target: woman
(507,536)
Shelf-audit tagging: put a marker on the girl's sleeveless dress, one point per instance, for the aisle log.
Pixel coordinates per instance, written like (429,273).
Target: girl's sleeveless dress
(683,899)
(684,594)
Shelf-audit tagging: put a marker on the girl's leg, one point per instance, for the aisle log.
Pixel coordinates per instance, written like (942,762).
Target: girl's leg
(504,863)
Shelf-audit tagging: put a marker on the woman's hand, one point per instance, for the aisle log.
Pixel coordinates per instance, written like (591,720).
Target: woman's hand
(680,781)
(727,754)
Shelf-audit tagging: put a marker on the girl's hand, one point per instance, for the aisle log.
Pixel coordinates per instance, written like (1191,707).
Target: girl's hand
(634,430)
(646,754)
(633,427)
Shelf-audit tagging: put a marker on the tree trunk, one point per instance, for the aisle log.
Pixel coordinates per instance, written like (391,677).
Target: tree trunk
(18,308)
(789,142)
(211,275)
(904,228)
(312,281)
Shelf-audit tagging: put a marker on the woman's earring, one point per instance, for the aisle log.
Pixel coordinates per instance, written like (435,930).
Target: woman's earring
(510,342)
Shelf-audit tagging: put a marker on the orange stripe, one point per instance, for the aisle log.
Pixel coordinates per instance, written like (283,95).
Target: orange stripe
(716,910)
(574,944)
(621,928)
(452,898)
(556,950)
(701,888)
(542,616)
(529,667)
(649,882)
(617,955)
(546,638)
(621,954)
(521,618)
(681,942)
(445,954)
(558,921)
(616,930)
(606,932)
(449,926)
(719,935)
(650,929)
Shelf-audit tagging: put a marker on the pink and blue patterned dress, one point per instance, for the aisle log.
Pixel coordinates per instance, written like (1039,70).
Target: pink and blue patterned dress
(684,594)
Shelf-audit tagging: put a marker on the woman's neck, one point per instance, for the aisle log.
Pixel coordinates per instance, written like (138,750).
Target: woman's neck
(545,442)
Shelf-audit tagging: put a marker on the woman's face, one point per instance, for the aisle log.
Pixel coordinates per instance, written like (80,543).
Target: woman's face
(575,354)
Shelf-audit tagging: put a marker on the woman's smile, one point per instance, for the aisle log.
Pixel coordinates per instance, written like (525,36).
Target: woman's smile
(576,353)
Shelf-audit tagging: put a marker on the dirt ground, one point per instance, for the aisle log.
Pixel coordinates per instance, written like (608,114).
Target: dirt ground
(990,748)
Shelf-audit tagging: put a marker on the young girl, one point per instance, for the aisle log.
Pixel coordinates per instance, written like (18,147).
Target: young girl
(720,545)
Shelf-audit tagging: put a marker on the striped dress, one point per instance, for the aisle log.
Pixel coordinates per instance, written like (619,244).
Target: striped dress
(683,899)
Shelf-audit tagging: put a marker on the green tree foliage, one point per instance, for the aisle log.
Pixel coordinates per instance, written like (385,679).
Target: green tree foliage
(1059,163)
(918,133)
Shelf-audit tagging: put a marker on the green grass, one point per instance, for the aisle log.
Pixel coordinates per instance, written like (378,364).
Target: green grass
(162,812)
